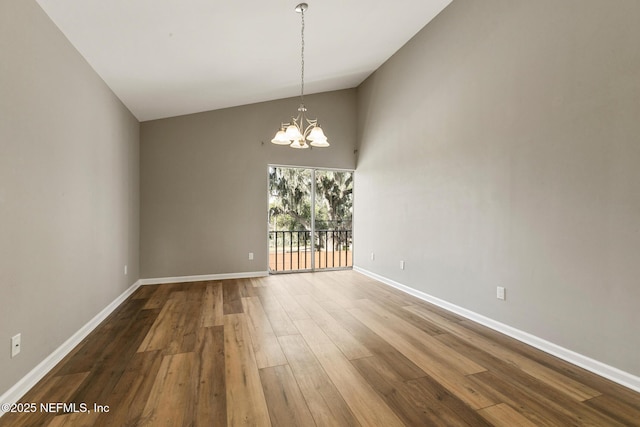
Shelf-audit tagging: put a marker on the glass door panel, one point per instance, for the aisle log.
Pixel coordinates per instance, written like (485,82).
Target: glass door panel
(290,222)
(333,215)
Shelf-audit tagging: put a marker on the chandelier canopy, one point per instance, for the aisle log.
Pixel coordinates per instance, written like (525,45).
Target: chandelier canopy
(301,131)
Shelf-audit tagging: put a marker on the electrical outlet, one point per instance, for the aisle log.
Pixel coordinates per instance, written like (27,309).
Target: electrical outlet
(15,345)
(125,270)
(373,256)
(401,265)
(501,293)
(250,256)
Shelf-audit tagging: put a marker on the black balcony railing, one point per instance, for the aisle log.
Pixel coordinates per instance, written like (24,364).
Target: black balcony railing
(291,250)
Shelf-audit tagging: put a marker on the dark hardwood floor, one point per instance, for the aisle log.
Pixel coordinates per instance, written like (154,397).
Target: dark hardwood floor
(325,349)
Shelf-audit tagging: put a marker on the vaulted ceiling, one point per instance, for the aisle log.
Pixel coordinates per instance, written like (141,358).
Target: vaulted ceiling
(165,58)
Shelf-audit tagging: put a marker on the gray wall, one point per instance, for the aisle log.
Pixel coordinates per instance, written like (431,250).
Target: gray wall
(69,199)
(204,181)
(506,135)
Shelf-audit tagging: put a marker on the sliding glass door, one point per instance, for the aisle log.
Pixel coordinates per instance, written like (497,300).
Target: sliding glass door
(310,218)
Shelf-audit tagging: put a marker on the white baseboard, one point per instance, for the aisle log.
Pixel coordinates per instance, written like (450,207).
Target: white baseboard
(614,374)
(36,374)
(223,276)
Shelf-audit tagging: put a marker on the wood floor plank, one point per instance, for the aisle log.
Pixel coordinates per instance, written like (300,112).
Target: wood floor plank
(616,409)
(364,402)
(540,410)
(247,289)
(52,389)
(288,303)
(265,344)
(455,412)
(231,295)
(375,291)
(130,395)
(114,360)
(185,327)
(509,382)
(380,348)
(211,398)
(556,380)
(416,321)
(342,296)
(551,402)
(413,406)
(246,403)
(174,331)
(91,349)
(257,282)
(212,306)
(329,305)
(144,292)
(418,338)
(347,343)
(171,401)
(285,401)
(162,330)
(325,403)
(74,420)
(299,284)
(379,291)
(454,381)
(256,316)
(278,317)
(503,415)
(603,385)
(160,295)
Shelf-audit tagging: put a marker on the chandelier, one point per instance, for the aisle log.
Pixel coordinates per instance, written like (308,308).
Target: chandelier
(301,129)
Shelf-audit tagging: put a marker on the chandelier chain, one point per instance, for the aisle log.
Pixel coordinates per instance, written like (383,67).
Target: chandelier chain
(302,59)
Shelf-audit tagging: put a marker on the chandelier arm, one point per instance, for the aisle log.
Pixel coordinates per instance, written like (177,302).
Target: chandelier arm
(307,130)
(310,124)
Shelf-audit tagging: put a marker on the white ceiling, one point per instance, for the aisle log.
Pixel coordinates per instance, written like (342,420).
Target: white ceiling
(166,58)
